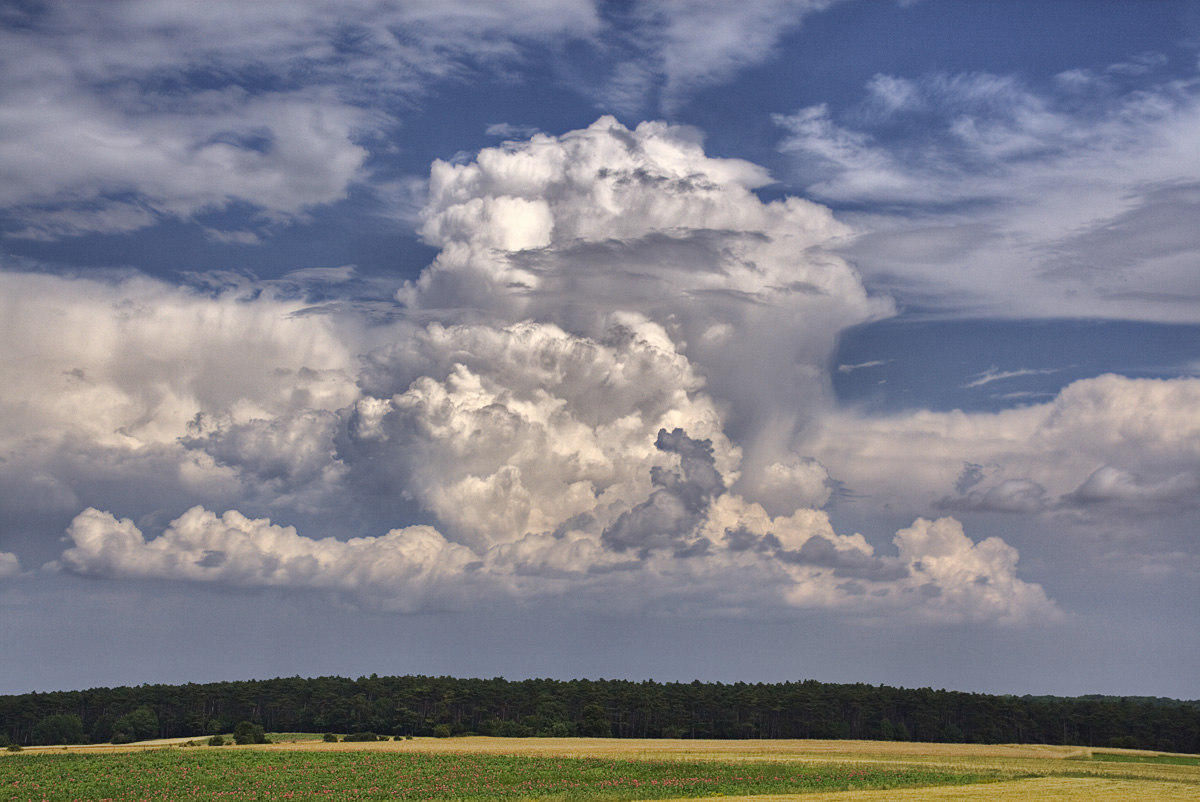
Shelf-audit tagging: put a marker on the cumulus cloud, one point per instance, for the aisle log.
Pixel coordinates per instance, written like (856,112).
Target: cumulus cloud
(9,565)
(130,363)
(1110,439)
(956,574)
(129,391)
(938,575)
(235,550)
(565,229)
(1088,181)
(504,431)
(598,390)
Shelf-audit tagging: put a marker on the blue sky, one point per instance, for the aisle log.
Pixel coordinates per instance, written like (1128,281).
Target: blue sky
(860,339)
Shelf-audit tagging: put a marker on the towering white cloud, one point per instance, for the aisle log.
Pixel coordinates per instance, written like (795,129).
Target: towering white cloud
(504,431)
(608,409)
(566,229)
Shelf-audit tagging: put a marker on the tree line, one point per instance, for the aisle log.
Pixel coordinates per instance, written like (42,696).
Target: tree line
(421,705)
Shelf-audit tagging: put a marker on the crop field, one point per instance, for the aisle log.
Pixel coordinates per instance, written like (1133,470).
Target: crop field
(594,770)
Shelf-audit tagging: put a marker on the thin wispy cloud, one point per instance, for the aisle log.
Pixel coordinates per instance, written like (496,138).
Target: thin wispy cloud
(1001,175)
(874,363)
(994,374)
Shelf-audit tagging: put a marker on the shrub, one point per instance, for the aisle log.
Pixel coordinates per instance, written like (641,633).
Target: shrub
(441,731)
(139,725)
(248,733)
(216,740)
(13,747)
(329,738)
(362,736)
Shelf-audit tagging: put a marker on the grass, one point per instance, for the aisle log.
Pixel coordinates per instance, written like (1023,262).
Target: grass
(298,766)
(1166,760)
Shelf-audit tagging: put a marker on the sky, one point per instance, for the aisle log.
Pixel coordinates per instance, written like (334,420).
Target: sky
(848,340)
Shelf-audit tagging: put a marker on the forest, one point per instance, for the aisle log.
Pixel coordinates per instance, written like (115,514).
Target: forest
(448,706)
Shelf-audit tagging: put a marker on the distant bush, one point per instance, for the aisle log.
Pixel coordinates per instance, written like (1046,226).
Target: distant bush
(216,740)
(441,731)
(362,736)
(13,748)
(329,738)
(249,733)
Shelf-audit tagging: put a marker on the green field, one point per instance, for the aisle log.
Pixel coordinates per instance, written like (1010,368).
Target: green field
(244,774)
(593,770)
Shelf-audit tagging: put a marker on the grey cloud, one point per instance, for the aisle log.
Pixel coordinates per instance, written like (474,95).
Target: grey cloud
(742,539)
(1161,224)
(1011,495)
(286,452)
(1115,485)
(212,558)
(821,551)
(670,516)
(972,474)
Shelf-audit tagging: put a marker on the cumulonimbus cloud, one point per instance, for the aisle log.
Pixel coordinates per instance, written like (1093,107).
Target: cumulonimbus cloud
(629,350)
